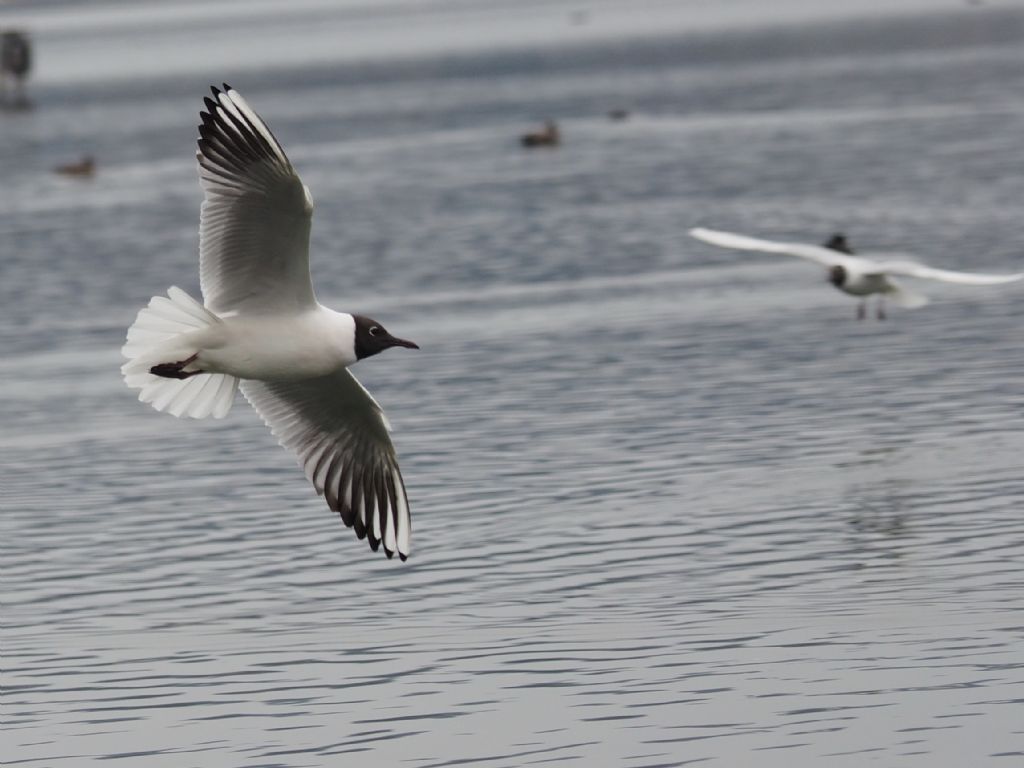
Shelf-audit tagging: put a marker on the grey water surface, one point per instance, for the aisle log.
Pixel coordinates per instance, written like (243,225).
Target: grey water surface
(672,504)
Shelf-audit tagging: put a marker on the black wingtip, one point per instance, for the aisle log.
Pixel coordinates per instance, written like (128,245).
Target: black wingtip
(227,87)
(215,90)
(402,557)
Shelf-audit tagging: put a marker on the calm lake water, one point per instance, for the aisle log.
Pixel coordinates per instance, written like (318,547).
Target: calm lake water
(672,504)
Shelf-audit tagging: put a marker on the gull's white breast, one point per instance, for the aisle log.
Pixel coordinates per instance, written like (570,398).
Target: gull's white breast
(279,347)
(860,284)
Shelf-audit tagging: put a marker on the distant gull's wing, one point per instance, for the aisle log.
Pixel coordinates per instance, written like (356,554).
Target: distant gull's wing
(255,219)
(341,437)
(816,253)
(913,269)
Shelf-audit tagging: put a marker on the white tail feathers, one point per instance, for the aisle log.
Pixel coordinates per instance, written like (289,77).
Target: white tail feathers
(160,335)
(905,298)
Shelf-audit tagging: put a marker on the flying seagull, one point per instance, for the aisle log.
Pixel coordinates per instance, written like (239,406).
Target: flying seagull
(856,275)
(261,329)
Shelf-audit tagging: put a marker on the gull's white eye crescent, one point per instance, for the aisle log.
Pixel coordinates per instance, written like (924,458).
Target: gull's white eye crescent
(374,330)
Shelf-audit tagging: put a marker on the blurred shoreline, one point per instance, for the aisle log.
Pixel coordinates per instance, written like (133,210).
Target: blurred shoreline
(103,42)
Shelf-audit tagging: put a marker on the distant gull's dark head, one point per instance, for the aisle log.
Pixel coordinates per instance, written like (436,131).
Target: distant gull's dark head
(838,243)
(372,338)
(837,275)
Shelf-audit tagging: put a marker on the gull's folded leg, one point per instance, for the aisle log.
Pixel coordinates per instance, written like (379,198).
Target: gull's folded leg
(175,370)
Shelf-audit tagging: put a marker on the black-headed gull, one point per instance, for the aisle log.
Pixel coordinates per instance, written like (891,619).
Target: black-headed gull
(15,63)
(857,275)
(261,325)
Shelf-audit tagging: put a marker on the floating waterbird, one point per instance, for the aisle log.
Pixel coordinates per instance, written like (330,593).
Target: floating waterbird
(548,136)
(84,167)
(15,63)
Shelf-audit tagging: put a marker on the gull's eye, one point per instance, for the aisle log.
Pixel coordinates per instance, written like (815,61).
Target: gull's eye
(375,330)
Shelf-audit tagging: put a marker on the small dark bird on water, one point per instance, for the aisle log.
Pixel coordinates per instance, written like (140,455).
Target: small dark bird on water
(547,137)
(85,167)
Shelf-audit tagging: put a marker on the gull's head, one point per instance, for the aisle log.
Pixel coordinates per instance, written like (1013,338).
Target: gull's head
(838,243)
(837,275)
(372,338)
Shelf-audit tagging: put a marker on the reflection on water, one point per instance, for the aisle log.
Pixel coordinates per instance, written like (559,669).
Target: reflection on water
(671,505)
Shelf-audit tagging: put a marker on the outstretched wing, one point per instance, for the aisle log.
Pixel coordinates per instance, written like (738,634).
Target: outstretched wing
(341,437)
(816,253)
(913,269)
(255,219)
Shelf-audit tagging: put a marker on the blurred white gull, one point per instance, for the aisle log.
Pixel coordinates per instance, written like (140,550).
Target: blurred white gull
(261,325)
(15,64)
(857,275)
